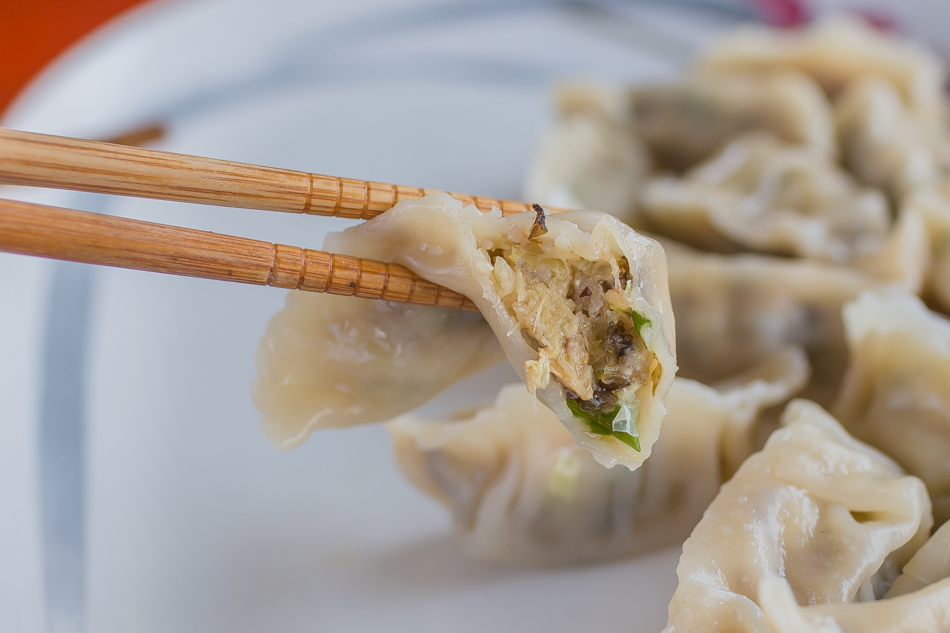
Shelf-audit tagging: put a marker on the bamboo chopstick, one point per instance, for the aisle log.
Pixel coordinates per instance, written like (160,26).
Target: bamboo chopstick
(64,163)
(92,238)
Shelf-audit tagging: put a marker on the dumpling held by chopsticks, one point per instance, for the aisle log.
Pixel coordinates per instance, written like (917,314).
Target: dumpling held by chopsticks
(578,301)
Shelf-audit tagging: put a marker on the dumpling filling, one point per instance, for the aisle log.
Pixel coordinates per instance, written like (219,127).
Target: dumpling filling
(579,317)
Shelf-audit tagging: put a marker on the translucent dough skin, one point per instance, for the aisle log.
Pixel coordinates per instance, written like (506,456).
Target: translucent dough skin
(734,311)
(760,194)
(834,52)
(685,123)
(919,600)
(519,490)
(443,241)
(933,206)
(926,610)
(885,143)
(589,161)
(328,361)
(896,393)
(831,517)
(930,565)
(604,142)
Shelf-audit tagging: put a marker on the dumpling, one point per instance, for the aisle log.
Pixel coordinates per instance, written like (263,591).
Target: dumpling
(735,310)
(328,361)
(886,144)
(685,123)
(896,393)
(759,194)
(933,206)
(591,159)
(598,154)
(929,565)
(519,490)
(834,52)
(579,302)
(831,517)
(919,600)
(927,609)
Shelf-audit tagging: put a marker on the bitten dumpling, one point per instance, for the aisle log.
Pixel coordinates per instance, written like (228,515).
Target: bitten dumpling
(579,302)
(519,490)
(816,509)
(328,361)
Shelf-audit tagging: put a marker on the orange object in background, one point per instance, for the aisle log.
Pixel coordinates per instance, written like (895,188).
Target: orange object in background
(34,32)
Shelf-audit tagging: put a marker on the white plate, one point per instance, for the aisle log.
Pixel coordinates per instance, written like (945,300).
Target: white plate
(192,521)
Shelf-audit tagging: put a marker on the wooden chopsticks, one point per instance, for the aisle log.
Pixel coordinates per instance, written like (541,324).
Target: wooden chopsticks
(92,238)
(56,162)
(41,160)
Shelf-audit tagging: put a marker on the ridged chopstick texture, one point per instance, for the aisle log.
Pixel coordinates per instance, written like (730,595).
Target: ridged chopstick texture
(79,236)
(40,160)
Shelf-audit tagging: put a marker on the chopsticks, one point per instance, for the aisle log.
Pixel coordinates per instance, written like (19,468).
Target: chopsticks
(57,162)
(92,238)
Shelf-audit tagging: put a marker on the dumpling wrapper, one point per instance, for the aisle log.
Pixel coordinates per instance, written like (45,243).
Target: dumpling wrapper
(520,278)
(932,204)
(919,600)
(605,140)
(886,144)
(686,123)
(834,52)
(589,160)
(520,491)
(759,194)
(328,361)
(929,565)
(736,310)
(833,518)
(896,393)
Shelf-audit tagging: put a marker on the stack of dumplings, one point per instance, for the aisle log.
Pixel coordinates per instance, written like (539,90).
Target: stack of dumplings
(789,202)
(819,220)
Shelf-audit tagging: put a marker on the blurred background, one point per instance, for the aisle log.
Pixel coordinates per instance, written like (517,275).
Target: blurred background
(136,491)
(33,33)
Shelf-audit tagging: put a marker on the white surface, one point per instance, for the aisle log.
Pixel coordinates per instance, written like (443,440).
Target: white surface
(194,522)
(22,301)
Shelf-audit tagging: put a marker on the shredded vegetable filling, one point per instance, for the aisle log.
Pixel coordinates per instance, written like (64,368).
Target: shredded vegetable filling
(588,336)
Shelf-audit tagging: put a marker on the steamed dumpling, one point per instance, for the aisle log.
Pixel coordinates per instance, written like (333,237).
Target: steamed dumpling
(735,310)
(686,123)
(927,609)
(930,565)
(833,52)
(816,509)
(579,302)
(519,490)
(896,393)
(885,143)
(932,204)
(759,194)
(589,160)
(328,361)
(605,141)
(919,600)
